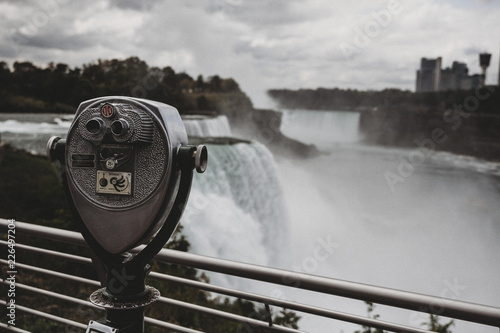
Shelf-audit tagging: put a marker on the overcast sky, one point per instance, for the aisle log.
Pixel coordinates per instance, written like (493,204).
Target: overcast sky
(363,44)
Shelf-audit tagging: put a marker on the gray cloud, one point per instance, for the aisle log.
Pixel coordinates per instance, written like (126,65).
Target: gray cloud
(143,5)
(262,13)
(57,41)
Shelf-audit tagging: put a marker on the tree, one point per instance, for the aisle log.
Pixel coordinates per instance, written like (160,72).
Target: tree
(4,67)
(435,326)
(214,83)
(59,88)
(4,74)
(61,68)
(93,72)
(200,83)
(24,67)
(185,82)
(368,329)
(202,103)
(169,78)
(432,325)
(287,318)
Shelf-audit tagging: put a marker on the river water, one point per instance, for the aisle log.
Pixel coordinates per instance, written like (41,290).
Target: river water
(433,230)
(422,221)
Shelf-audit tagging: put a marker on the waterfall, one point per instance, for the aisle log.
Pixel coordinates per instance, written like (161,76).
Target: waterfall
(239,197)
(31,132)
(325,129)
(203,126)
(238,200)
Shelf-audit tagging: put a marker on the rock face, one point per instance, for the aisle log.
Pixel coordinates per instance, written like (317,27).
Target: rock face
(252,125)
(465,133)
(264,126)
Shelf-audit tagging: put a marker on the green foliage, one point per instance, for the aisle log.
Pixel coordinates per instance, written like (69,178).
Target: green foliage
(368,329)
(31,191)
(59,88)
(435,326)
(387,99)
(287,318)
(432,325)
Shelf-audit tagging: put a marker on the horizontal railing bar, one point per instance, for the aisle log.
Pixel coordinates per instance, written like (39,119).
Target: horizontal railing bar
(53,294)
(222,314)
(286,304)
(48,316)
(13,328)
(54,273)
(376,323)
(472,312)
(97,284)
(226,315)
(56,234)
(289,305)
(89,304)
(477,313)
(61,255)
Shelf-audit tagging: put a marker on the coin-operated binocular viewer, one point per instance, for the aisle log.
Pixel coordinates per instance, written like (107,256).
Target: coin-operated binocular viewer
(127,172)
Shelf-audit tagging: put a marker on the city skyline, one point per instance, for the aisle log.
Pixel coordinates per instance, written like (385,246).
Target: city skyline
(431,76)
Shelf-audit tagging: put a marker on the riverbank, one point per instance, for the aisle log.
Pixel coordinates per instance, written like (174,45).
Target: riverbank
(465,133)
(464,122)
(264,125)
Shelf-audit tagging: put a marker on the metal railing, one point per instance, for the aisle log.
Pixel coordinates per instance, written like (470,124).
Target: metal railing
(476,313)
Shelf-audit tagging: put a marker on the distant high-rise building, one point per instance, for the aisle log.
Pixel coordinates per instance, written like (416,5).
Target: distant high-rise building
(484,62)
(460,68)
(430,76)
(456,77)
(448,80)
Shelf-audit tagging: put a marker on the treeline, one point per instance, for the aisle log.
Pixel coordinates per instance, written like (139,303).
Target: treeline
(60,88)
(387,99)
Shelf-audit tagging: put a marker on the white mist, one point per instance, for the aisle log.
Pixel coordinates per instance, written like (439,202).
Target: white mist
(435,233)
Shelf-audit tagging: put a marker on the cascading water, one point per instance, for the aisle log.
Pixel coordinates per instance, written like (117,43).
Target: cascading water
(326,130)
(32,131)
(202,126)
(236,208)
(238,200)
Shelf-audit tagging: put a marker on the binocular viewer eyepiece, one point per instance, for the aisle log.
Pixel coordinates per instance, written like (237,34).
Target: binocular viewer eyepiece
(122,159)
(119,128)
